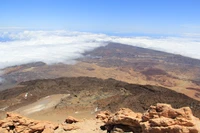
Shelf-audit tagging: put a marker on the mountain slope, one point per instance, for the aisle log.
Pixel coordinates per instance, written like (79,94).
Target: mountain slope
(89,93)
(121,62)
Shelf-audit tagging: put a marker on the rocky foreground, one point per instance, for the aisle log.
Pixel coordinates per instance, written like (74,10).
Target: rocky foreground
(161,118)
(15,123)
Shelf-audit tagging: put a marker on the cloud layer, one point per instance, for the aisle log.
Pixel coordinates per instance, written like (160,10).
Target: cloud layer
(64,46)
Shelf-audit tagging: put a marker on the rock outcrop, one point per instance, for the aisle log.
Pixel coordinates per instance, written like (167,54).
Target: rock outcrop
(71,120)
(15,123)
(161,118)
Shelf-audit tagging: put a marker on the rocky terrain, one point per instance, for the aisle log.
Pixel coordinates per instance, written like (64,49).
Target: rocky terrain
(106,79)
(121,62)
(90,95)
(146,66)
(161,118)
(15,123)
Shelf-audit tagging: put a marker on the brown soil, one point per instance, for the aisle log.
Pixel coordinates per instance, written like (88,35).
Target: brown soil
(121,62)
(89,93)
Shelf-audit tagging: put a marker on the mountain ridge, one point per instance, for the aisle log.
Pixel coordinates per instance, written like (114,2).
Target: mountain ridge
(108,94)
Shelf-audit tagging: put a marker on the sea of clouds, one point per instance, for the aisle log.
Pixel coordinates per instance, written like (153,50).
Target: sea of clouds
(20,47)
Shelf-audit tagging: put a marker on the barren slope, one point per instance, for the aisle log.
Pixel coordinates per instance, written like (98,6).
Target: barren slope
(91,95)
(121,62)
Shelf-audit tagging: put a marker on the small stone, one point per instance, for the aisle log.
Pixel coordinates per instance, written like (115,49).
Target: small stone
(71,120)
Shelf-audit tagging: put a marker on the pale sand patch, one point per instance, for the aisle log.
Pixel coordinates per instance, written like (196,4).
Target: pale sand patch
(89,126)
(28,69)
(42,104)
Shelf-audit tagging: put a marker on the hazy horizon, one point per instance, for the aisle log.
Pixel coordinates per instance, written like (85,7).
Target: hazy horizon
(55,31)
(20,47)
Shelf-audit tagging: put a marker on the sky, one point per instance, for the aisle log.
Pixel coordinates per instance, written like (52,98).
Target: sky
(54,31)
(104,16)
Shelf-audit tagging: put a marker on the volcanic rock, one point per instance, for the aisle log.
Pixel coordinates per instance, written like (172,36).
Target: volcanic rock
(69,127)
(15,123)
(92,92)
(71,120)
(161,118)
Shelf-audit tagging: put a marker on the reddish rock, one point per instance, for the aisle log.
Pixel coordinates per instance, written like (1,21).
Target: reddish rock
(103,116)
(71,120)
(69,127)
(15,123)
(161,118)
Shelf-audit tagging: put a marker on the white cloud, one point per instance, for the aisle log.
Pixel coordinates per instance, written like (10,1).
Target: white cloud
(47,46)
(185,45)
(64,46)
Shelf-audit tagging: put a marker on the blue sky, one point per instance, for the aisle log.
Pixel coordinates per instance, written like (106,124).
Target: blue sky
(106,16)
(43,30)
